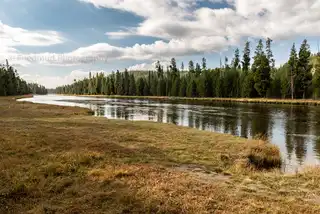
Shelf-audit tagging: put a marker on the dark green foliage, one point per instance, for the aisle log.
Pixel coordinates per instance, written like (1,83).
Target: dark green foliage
(198,70)
(191,67)
(236,60)
(204,64)
(304,76)
(261,71)
(183,87)
(262,80)
(140,87)
(246,57)
(292,63)
(11,84)
(316,77)
(132,86)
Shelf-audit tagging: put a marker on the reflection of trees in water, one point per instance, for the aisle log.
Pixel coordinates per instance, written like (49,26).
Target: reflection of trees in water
(160,115)
(216,122)
(260,121)
(101,110)
(315,114)
(289,127)
(172,114)
(191,118)
(205,122)
(197,121)
(296,126)
(113,111)
(244,119)
(131,113)
(182,115)
(301,128)
(126,113)
(316,147)
(150,114)
(230,123)
(119,112)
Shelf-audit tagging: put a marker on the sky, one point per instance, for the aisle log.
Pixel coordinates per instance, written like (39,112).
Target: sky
(53,42)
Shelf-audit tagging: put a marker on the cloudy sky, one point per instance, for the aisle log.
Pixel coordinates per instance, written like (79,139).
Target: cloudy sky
(53,42)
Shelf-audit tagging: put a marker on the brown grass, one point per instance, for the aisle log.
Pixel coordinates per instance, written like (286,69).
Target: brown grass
(59,160)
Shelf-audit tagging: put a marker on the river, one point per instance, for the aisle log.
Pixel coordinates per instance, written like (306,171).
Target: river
(294,129)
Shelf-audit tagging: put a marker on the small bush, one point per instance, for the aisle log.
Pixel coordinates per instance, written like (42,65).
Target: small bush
(263,155)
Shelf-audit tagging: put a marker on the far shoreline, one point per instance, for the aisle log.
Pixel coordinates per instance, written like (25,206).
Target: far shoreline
(305,102)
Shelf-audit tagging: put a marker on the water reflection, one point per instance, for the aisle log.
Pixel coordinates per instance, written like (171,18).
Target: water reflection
(295,129)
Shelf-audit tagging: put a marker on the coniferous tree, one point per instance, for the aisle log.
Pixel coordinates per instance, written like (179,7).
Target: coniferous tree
(126,82)
(261,70)
(159,69)
(204,64)
(304,75)
(269,53)
(191,67)
(292,63)
(173,68)
(183,87)
(246,57)
(316,77)
(12,84)
(132,86)
(236,60)
(262,80)
(140,87)
(182,66)
(198,70)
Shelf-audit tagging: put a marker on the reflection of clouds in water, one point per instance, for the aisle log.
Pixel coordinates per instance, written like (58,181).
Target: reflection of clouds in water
(294,129)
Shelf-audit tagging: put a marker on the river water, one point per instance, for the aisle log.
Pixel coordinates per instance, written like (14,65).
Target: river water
(294,129)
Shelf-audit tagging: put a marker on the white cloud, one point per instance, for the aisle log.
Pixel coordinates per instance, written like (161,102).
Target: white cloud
(183,29)
(54,81)
(11,36)
(258,18)
(159,50)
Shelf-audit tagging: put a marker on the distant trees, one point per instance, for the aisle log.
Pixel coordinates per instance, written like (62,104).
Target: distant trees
(236,79)
(11,84)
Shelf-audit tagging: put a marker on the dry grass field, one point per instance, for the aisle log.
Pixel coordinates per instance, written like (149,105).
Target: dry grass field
(62,160)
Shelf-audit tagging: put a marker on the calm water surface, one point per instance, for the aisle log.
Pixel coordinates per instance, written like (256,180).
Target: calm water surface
(295,129)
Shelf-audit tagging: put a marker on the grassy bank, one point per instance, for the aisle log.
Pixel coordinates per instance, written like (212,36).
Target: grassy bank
(60,160)
(216,99)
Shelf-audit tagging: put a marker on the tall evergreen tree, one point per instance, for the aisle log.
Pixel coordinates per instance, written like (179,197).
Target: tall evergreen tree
(182,66)
(126,82)
(191,67)
(236,60)
(140,86)
(198,70)
(304,76)
(159,69)
(269,53)
(293,62)
(173,68)
(316,77)
(246,57)
(204,64)
(261,70)
(132,85)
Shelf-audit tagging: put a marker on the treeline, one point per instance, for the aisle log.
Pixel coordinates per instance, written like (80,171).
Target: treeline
(297,78)
(11,84)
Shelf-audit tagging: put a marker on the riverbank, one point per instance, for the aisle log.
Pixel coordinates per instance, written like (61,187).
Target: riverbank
(213,99)
(59,159)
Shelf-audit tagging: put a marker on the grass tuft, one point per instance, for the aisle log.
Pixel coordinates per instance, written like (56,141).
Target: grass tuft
(263,155)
